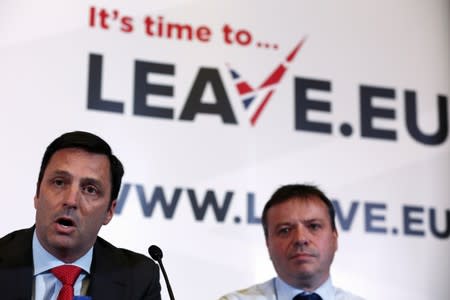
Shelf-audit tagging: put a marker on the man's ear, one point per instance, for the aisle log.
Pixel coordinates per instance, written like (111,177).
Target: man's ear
(110,212)
(36,199)
(335,235)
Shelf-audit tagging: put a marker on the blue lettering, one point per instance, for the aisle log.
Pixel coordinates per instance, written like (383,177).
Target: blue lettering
(251,218)
(158,196)
(345,222)
(371,217)
(122,197)
(209,200)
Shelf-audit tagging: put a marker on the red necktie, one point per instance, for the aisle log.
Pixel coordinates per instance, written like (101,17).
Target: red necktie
(67,274)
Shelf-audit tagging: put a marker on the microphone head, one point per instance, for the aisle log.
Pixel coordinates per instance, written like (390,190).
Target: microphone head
(155,252)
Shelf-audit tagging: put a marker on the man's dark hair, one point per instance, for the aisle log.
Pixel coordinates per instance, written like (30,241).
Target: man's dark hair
(88,142)
(301,191)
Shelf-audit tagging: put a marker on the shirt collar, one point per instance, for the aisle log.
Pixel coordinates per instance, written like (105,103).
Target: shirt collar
(44,261)
(285,291)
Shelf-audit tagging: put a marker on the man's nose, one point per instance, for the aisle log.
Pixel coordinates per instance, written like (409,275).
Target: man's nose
(72,196)
(301,236)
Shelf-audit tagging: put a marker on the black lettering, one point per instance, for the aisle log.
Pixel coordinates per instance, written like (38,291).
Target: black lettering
(94,96)
(303,104)
(194,104)
(411,120)
(409,220)
(369,112)
(142,88)
(445,233)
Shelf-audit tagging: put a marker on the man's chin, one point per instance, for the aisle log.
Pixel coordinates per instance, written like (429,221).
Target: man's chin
(63,243)
(305,272)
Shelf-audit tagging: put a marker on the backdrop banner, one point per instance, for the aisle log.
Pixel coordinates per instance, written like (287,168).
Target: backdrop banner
(212,105)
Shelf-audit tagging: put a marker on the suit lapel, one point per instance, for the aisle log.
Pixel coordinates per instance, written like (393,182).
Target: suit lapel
(16,264)
(108,280)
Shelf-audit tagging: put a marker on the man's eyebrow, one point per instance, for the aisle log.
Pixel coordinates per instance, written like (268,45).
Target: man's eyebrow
(90,180)
(60,173)
(284,223)
(314,219)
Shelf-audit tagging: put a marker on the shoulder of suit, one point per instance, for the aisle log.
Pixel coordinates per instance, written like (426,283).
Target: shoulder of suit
(16,248)
(121,253)
(18,234)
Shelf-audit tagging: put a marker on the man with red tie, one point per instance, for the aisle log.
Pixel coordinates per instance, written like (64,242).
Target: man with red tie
(61,256)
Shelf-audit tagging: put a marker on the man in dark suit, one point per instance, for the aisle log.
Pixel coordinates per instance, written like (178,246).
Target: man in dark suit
(77,188)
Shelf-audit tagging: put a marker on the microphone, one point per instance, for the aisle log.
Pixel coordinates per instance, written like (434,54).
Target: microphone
(156,253)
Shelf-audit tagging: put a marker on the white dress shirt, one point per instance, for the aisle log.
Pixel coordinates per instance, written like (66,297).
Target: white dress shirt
(46,285)
(276,289)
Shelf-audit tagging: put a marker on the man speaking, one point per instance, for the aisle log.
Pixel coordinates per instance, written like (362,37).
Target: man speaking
(61,256)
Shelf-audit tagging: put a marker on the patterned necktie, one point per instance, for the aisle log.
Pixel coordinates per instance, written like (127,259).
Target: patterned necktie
(305,296)
(67,274)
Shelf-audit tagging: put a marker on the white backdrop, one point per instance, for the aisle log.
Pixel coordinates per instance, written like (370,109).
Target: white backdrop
(396,244)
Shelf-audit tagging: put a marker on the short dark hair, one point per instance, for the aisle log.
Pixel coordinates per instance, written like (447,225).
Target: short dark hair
(302,191)
(90,143)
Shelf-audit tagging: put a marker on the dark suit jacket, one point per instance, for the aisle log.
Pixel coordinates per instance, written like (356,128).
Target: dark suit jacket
(115,273)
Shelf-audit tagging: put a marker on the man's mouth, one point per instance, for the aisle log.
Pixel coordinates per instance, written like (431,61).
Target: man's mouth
(302,255)
(65,222)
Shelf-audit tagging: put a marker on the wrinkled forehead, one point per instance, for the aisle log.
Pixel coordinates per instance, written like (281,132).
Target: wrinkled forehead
(80,160)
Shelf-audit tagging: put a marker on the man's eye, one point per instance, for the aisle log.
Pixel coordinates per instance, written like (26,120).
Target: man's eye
(58,182)
(284,231)
(90,189)
(314,226)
